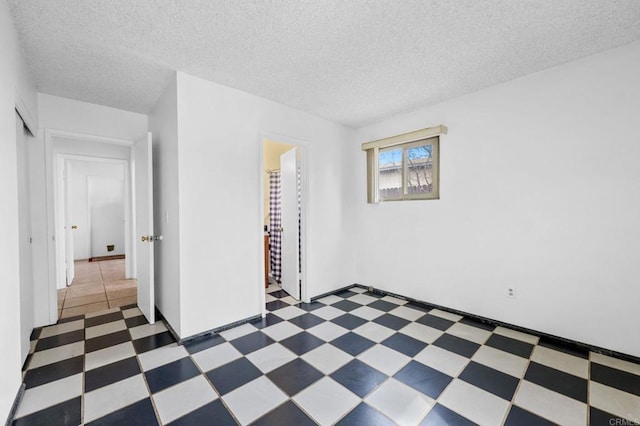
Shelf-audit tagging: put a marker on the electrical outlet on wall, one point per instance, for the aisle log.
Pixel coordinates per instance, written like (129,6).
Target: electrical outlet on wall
(511,292)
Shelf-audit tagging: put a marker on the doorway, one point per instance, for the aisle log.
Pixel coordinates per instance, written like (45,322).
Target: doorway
(87,190)
(136,156)
(283,223)
(96,217)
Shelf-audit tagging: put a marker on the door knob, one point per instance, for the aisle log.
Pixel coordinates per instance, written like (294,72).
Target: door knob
(147,238)
(74,226)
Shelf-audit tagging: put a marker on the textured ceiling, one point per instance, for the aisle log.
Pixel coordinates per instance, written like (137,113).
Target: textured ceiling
(352,61)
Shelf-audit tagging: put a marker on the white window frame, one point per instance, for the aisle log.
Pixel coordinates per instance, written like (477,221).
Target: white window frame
(428,136)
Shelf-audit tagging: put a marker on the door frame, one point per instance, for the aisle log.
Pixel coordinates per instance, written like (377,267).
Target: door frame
(68,234)
(304,147)
(54,164)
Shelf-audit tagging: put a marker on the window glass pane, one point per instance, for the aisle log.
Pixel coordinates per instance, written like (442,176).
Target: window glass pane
(390,174)
(419,169)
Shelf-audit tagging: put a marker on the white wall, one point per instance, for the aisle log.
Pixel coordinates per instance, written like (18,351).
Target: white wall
(220,132)
(113,226)
(10,79)
(82,117)
(539,180)
(163,124)
(106,199)
(26,95)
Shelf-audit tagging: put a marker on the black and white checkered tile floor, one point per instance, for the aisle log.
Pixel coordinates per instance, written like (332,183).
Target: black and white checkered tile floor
(353,358)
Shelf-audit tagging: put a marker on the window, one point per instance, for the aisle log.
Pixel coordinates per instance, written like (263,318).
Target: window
(404,167)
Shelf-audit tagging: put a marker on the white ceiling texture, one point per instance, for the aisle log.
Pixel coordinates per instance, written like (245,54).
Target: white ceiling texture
(350,61)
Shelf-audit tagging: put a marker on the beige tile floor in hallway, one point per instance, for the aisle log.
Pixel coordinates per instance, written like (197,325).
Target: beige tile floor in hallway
(97,286)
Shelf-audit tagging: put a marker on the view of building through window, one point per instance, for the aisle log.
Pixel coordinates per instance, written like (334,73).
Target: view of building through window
(415,163)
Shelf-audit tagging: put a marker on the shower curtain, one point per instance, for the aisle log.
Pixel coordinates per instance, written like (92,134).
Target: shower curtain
(274,225)
(299,223)
(275,237)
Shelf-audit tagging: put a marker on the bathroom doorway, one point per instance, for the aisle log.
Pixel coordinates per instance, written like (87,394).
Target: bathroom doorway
(283,222)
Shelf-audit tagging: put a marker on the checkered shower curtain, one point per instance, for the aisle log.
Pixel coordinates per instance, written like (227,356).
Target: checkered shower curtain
(275,237)
(299,222)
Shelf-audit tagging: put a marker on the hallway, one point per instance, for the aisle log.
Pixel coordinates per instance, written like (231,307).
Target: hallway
(97,286)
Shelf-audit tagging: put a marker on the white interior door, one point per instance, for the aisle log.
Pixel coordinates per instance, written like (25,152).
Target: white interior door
(289,222)
(143,178)
(68,224)
(24,243)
